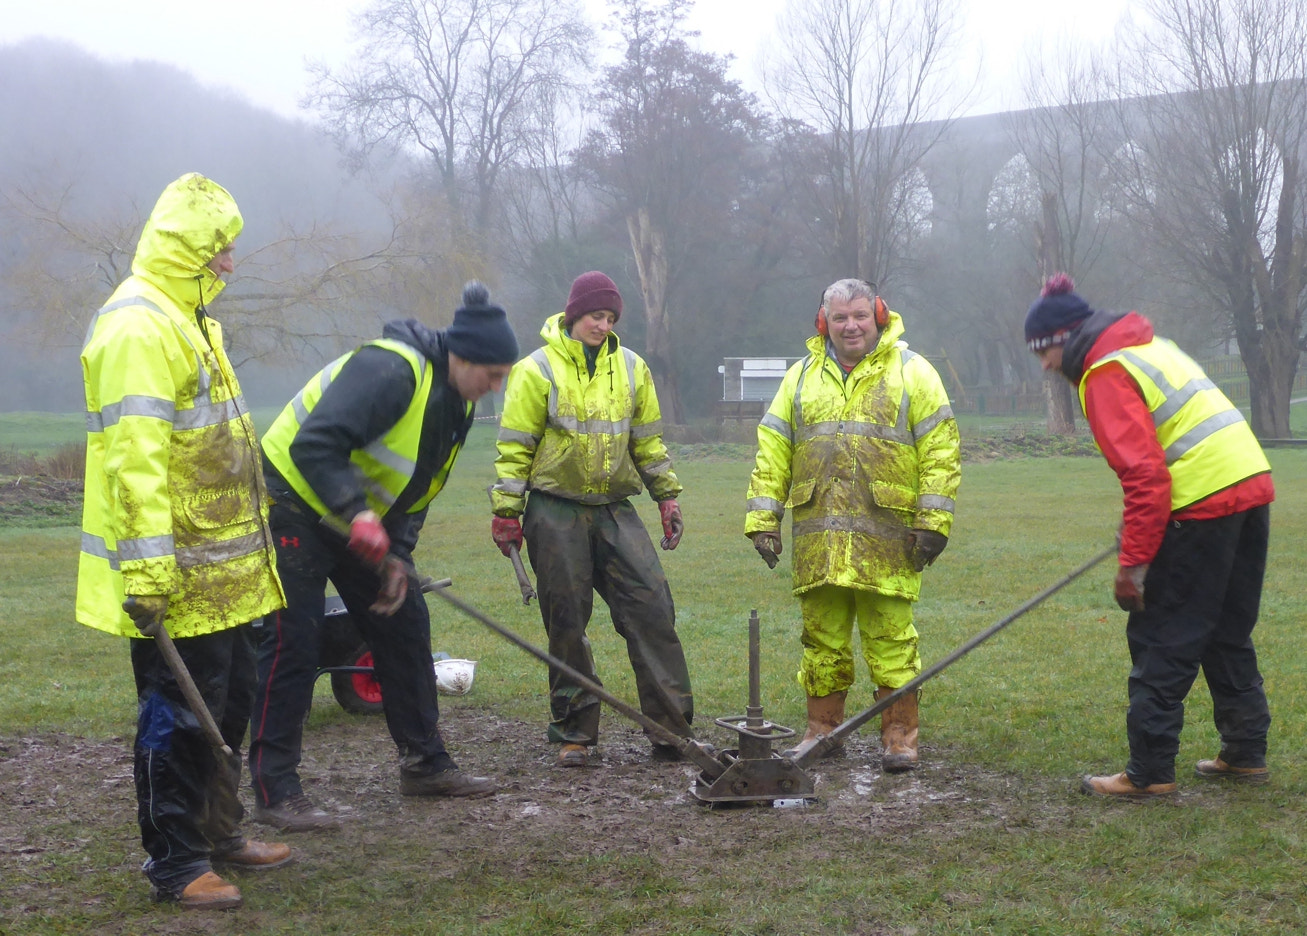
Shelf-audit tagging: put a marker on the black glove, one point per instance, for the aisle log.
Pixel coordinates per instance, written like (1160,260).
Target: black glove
(768,546)
(926,547)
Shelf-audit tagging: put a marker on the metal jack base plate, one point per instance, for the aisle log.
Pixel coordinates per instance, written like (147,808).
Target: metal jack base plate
(754,781)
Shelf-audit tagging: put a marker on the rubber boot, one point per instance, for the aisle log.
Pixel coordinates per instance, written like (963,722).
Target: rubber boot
(898,732)
(825,714)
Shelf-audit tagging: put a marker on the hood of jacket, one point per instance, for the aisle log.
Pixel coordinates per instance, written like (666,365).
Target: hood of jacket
(427,340)
(193,221)
(821,347)
(555,333)
(1116,329)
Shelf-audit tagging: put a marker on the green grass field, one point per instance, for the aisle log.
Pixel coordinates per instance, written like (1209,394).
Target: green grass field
(1040,704)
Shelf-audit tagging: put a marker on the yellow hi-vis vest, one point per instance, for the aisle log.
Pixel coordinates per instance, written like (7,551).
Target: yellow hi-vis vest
(388,463)
(1207,443)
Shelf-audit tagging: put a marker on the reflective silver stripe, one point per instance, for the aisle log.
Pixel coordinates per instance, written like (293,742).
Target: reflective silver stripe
(798,396)
(96,546)
(902,423)
(657,469)
(541,357)
(205,553)
(852,427)
(1172,399)
(380,493)
(516,435)
(935,502)
(391,459)
(208,414)
(648,430)
(778,426)
(114,307)
(862,525)
(1214,423)
(590,426)
(769,504)
(147,547)
(923,428)
(204,380)
(514,486)
(630,373)
(137,405)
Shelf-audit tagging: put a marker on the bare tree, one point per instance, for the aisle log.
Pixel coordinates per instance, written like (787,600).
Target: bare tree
(1219,108)
(672,152)
(456,79)
(1064,134)
(867,80)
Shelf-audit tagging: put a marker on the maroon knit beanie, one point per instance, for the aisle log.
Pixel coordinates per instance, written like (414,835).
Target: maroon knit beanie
(591,292)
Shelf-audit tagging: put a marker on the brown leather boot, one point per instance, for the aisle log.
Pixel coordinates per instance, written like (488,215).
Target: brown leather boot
(255,856)
(1121,786)
(210,892)
(1217,769)
(825,714)
(898,732)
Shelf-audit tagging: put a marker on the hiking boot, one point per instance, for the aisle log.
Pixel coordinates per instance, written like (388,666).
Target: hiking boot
(295,813)
(573,755)
(255,856)
(206,892)
(1218,769)
(1121,787)
(451,782)
(898,732)
(825,714)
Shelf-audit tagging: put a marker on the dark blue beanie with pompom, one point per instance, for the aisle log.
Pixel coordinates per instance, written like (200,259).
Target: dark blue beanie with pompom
(1055,313)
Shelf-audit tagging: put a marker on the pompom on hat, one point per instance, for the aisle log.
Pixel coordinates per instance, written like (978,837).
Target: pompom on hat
(591,292)
(481,333)
(1054,315)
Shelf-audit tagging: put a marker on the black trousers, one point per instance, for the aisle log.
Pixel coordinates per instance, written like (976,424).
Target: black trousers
(187,798)
(575,551)
(307,556)
(1202,596)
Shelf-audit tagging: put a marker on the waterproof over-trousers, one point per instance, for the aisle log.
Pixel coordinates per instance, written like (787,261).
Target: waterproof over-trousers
(576,550)
(288,659)
(188,805)
(889,639)
(1201,599)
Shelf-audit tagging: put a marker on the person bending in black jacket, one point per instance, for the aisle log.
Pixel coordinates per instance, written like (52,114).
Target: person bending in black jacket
(370,440)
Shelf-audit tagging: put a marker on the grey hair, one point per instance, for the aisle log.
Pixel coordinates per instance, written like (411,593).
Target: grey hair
(847,290)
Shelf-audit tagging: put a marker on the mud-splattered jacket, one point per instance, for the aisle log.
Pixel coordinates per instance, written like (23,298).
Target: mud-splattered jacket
(594,439)
(861,461)
(175,503)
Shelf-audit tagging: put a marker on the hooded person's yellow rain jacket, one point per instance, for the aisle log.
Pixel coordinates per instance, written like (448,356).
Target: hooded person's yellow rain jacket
(861,462)
(174,503)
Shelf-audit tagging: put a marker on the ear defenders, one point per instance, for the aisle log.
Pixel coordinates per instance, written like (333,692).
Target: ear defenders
(880,312)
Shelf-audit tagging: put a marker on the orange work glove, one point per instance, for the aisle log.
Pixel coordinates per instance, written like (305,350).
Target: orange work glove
(506,532)
(673,525)
(1129,587)
(368,538)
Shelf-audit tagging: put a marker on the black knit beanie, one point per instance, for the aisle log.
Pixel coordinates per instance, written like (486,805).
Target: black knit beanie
(1055,313)
(481,333)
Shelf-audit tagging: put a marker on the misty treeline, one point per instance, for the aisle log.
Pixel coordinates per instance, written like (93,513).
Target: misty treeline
(516,142)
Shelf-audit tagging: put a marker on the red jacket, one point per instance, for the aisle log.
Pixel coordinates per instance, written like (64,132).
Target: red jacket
(1123,428)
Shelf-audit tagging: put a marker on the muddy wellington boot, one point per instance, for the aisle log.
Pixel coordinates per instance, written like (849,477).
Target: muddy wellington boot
(898,732)
(825,714)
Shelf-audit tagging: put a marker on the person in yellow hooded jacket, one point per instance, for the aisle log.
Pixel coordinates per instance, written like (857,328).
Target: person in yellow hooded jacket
(860,442)
(175,531)
(580,435)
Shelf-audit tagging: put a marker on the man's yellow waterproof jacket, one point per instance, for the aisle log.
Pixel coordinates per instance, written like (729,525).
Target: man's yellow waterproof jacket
(594,440)
(174,503)
(861,461)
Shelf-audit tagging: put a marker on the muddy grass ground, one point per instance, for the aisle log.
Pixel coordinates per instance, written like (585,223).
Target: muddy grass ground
(70,854)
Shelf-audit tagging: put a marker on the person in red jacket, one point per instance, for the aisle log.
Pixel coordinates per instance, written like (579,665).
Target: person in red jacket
(1197,489)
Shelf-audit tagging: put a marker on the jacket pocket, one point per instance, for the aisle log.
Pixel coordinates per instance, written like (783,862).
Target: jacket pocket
(893,496)
(215,510)
(801,493)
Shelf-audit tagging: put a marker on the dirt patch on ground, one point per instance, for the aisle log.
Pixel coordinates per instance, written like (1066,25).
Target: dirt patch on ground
(68,802)
(36,501)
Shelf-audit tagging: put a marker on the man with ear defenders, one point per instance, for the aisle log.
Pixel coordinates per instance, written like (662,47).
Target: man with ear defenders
(861,443)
